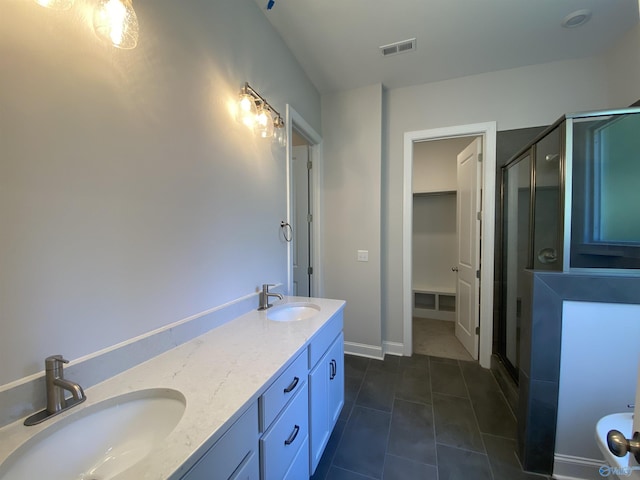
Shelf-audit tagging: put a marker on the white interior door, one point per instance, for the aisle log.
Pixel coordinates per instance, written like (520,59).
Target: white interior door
(468,229)
(301,225)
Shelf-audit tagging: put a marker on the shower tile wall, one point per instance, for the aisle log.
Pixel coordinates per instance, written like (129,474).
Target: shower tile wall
(541,342)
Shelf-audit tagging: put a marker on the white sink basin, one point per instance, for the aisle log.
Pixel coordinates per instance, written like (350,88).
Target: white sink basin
(99,441)
(293,312)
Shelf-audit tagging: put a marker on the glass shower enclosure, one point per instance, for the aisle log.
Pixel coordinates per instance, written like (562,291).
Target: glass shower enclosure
(570,203)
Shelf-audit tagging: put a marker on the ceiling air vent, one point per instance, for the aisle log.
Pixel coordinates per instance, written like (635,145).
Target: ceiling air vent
(399,47)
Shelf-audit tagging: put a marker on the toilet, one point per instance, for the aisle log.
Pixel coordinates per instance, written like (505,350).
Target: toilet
(616,467)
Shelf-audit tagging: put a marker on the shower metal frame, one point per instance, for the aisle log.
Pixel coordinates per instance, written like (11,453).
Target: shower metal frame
(565,187)
(565,203)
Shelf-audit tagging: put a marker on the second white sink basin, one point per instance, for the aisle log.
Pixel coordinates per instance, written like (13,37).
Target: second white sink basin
(293,312)
(100,441)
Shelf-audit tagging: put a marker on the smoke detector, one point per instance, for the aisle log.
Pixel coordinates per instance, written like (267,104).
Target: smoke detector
(576,19)
(398,47)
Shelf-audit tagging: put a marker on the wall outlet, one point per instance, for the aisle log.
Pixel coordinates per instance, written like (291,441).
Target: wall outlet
(363,255)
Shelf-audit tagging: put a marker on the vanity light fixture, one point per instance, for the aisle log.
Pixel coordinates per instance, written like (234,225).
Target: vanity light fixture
(256,113)
(279,134)
(115,22)
(264,122)
(247,110)
(56,4)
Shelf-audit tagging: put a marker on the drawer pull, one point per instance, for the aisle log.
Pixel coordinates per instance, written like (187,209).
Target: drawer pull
(293,435)
(290,388)
(334,369)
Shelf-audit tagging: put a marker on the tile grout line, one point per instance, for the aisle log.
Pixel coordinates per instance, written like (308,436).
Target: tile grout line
(475,416)
(339,441)
(386,446)
(452,396)
(433,416)
(504,396)
(346,422)
(357,473)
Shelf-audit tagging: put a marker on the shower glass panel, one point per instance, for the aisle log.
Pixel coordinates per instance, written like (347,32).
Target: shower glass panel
(515,257)
(570,203)
(547,239)
(605,225)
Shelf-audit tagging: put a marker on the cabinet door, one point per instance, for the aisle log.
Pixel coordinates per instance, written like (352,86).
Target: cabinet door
(249,469)
(326,397)
(336,381)
(234,456)
(318,411)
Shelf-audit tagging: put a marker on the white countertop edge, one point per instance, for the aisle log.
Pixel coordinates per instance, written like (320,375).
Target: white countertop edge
(221,373)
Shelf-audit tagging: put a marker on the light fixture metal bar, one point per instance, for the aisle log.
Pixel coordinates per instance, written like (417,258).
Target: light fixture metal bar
(249,89)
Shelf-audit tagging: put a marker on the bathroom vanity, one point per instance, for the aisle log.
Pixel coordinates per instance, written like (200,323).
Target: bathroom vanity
(260,399)
(284,433)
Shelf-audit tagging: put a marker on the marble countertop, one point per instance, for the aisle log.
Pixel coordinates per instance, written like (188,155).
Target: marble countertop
(220,373)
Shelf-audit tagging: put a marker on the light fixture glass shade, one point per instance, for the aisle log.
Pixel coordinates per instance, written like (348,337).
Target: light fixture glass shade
(279,134)
(115,22)
(247,110)
(264,123)
(56,4)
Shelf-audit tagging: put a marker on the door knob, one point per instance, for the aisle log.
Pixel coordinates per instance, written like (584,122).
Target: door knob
(620,446)
(454,269)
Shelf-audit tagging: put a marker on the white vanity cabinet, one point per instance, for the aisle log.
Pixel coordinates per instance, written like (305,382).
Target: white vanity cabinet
(282,436)
(326,386)
(234,456)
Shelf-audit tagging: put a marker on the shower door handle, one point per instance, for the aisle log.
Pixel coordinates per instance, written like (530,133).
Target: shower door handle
(547,255)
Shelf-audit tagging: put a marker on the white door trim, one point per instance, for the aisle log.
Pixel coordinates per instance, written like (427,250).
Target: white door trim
(488,130)
(293,118)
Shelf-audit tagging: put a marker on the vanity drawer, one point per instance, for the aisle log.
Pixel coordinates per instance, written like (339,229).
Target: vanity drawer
(283,440)
(282,390)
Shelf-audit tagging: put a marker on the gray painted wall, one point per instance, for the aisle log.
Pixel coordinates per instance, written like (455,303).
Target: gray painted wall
(519,98)
(129,196)
(352,135)
(523,97)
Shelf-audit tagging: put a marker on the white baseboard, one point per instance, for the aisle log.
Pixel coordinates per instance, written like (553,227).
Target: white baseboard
(568,467)
(362,350)
(393,348)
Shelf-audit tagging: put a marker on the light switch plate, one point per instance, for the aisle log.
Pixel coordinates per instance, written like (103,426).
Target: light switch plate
(363,255)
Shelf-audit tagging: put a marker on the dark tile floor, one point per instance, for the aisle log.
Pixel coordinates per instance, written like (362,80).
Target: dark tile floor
(422,418)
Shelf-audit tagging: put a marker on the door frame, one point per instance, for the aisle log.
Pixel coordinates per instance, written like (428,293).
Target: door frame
(294,120)
(488,131)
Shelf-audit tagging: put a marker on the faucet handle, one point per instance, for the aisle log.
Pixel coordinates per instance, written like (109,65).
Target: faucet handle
(54,361)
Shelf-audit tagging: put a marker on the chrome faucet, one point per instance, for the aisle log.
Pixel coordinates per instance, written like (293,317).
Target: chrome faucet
(264,297)
(56,385)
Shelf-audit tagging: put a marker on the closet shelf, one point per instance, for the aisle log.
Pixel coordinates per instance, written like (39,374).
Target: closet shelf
(434,194)
(436,303)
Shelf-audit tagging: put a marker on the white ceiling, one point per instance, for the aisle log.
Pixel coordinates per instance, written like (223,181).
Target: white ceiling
(336,41)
